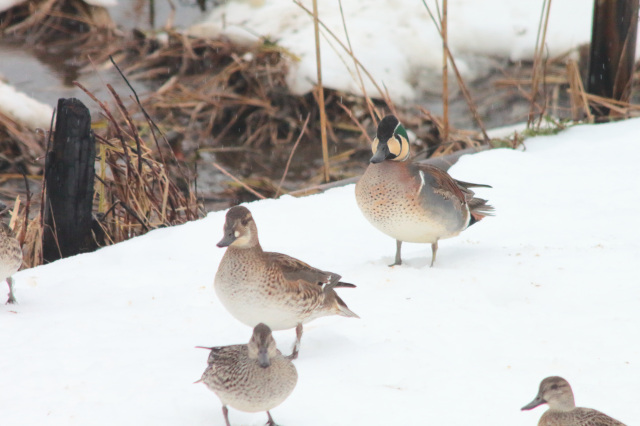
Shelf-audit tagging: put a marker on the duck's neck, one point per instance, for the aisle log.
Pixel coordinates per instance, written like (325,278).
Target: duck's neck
(249,248)
(562,403)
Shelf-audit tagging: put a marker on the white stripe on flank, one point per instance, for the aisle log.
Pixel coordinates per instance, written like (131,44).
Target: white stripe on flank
(421,173)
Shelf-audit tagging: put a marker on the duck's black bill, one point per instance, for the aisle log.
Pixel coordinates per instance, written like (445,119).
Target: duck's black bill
(381,154)
(226,240)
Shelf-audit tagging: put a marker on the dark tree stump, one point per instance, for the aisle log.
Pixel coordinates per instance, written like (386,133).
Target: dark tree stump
(613,47)
(69,176)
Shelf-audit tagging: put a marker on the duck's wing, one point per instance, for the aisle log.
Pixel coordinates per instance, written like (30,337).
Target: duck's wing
(310,283)
(295,270)
(591,417)
(439,181)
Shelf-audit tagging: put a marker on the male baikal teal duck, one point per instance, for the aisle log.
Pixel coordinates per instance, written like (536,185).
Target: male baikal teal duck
(257,286)
(562,411)
(414,202)
(251,378)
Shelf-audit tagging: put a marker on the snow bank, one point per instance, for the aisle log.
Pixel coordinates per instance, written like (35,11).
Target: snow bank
(396,40)
(23,109)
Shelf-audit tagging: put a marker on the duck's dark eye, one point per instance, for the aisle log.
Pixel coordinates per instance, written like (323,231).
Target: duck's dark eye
(554,387)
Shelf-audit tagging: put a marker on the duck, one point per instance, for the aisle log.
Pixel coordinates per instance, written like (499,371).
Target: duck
(411,201)
(256,286)
(10,258)
(251,378)
(562,411)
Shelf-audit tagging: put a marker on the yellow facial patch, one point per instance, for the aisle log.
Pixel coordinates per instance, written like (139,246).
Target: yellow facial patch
(398,146)
(394,146)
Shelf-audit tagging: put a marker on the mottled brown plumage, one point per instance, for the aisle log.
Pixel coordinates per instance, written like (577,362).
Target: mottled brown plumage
(10,257)
(257,286)
(413,202)
(562,411)
(251,378)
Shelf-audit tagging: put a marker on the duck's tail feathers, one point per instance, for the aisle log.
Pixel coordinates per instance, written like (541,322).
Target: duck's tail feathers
(479,209)
(471,184)
(343,309)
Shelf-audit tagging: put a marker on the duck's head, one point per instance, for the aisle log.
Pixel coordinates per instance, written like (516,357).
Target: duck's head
(554,391)
(240,229)
(391,141)
(262,345)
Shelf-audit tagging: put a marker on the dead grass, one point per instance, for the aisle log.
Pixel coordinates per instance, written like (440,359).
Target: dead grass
(561,93)
(135,191)
(233,100)
(45,23)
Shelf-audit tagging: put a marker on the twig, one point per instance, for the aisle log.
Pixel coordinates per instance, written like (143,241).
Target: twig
(23,233)
(134,215)
(355,63)
(43,190)
(244,185)
(346,49)
(117,128)
(577,92)
(320,94)
(540,43)
(445,73)
(152,13)
(463,86)
(357,123)
(286,169)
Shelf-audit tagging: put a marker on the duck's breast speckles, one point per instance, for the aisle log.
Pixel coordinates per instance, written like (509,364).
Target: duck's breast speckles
(405,206)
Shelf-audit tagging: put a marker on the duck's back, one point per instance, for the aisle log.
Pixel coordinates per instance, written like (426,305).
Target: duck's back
(577,417)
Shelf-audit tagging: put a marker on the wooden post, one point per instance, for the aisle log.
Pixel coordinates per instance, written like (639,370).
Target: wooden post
(613,46)
(69,175)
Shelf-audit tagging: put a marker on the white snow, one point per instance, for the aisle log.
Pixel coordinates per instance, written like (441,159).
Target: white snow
(23,109)
(8,4)
(102,3)
(396,40)
(549,286)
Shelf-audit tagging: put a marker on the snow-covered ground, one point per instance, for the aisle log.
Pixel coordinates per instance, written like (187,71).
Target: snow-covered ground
(549,286)
(397,42)
(24,109)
